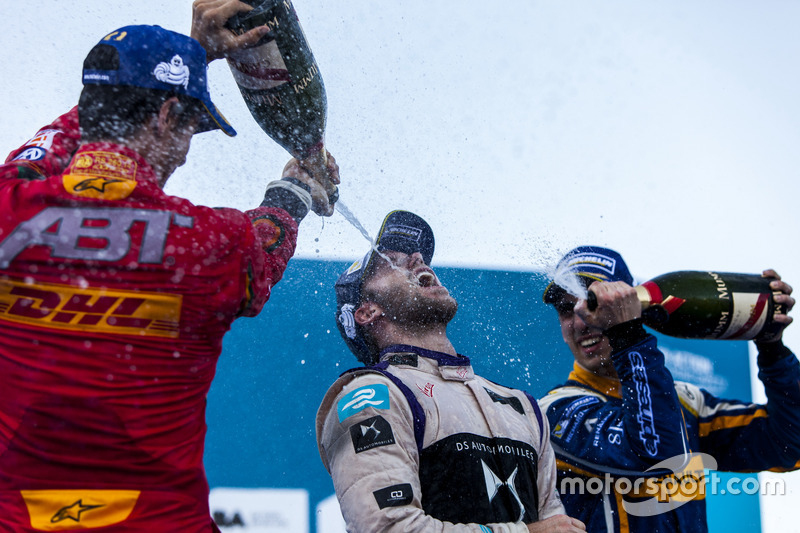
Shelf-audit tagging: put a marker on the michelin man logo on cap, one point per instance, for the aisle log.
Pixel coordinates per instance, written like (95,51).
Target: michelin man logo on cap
(151,57)
(174,72)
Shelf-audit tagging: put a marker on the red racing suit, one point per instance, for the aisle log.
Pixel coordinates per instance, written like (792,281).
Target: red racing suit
(114,299)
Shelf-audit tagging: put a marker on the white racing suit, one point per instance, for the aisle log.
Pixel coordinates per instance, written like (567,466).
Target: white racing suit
(419,443)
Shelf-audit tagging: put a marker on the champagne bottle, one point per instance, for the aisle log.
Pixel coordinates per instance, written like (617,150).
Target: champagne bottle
(708,305)
(279,79)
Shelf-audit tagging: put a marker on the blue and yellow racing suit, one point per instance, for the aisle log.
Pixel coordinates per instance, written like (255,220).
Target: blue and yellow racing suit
(631,452)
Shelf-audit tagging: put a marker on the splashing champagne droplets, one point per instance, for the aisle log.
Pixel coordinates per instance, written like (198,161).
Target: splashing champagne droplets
(570,283)
(351,218)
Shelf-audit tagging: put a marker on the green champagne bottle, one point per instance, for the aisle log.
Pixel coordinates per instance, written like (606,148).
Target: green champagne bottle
(279,79)
(708,305)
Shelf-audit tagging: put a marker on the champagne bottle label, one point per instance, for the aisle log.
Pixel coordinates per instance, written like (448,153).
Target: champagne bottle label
(747,317)
(259,68)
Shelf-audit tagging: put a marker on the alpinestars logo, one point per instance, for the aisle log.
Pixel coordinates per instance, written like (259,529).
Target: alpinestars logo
(98,184)
(494,483)
(72,512)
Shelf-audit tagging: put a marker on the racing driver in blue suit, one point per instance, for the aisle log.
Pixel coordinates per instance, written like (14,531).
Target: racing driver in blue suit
(631,443)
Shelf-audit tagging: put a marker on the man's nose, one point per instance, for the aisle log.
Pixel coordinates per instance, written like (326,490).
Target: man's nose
(577,322)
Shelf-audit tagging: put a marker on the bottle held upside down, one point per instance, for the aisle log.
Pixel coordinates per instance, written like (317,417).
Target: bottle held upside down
(279,79)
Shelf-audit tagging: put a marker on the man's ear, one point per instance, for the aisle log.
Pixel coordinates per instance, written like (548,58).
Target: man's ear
(168,115)
(367,313)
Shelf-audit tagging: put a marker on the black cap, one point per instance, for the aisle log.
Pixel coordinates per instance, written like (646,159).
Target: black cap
(401,231)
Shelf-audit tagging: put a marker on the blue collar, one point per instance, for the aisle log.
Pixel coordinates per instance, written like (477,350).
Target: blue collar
(442,359)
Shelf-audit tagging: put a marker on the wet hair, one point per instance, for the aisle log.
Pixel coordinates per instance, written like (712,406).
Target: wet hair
(112,112)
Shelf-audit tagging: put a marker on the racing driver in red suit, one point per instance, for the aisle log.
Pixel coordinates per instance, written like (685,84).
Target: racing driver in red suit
(114,296)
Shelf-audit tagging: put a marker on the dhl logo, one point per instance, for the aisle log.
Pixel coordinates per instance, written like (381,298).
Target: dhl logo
(101,310)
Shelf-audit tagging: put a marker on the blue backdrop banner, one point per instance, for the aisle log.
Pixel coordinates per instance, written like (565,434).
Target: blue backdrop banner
(261,454)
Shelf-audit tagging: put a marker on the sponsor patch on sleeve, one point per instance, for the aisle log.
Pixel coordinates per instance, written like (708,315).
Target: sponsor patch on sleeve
(37,147)
(274,233)
(371,433)
(376,396)
(394,496)
(34,153)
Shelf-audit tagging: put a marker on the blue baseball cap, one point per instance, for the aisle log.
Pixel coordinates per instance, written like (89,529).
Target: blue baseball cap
(589,264)
(154,58)
(401,231)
